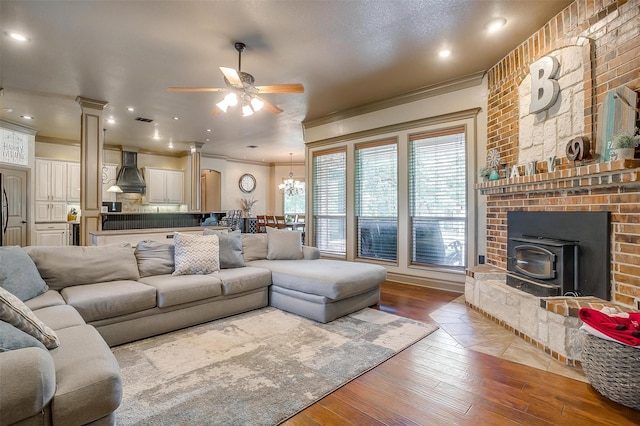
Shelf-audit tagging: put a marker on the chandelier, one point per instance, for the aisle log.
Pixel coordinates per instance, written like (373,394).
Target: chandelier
(290,186)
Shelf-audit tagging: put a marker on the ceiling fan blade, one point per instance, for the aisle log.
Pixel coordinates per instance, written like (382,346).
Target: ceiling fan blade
(195,89)
(232,76)
(269,106)
(215,111)
(281,88)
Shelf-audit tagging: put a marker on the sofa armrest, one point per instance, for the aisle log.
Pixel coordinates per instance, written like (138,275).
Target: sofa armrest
(310,253)
(28,378)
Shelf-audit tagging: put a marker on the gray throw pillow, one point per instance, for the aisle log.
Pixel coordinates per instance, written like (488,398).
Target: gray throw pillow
(284,244)
(254,247)
(19,275)
(11,338)
(196,254)
(155,258)
(230,248)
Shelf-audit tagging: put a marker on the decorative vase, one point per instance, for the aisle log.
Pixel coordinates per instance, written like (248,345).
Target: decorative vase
(494,175)
(247,213)
(622,154)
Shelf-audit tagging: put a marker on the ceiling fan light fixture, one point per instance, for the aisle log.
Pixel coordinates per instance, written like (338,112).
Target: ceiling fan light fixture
(256,104)
(246,110)
(231,99)
(223,105)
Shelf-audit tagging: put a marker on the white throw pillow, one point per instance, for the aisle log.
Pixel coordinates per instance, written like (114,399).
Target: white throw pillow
(16,313)
(284,244)
(196,254)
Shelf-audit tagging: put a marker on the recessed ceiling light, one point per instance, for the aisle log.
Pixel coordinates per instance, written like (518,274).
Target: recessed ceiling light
(131,109)
(111,121)
(207,140)
(495,24)
(27,117)
(18,36)
(7,109)
(170,145)
(176,118)
(444,53)
(208,130)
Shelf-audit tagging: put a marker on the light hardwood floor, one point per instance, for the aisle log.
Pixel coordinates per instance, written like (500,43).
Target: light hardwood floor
(438,381)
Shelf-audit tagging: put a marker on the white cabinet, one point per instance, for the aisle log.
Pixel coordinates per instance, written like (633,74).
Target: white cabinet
(73,182)
(51,180)
(52,234)
(50,212)
(164,186)
(109,175)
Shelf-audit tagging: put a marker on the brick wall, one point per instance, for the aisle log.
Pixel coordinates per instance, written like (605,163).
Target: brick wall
(609,33)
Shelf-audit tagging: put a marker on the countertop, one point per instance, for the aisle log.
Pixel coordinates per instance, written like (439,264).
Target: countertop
(153,230)
(156,213)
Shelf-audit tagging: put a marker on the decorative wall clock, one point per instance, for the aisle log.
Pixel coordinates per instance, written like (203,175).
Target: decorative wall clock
(493,158)
(247,183)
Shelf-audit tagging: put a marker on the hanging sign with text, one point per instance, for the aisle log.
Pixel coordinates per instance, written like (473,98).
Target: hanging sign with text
(14,147)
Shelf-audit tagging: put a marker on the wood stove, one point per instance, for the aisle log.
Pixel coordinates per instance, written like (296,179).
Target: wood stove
(559,253)
(543,266)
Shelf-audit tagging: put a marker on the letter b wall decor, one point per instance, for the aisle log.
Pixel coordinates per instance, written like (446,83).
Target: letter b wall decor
(544,87)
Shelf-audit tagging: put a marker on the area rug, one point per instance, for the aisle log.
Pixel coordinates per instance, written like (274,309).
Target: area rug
(257,368)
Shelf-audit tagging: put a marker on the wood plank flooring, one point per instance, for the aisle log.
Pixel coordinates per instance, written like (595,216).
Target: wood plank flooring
(439,382)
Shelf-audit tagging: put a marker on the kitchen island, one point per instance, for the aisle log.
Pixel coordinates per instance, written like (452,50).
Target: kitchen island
(133,236)
(123,221)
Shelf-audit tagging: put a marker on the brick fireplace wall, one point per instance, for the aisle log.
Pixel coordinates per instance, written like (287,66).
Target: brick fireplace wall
(608,34)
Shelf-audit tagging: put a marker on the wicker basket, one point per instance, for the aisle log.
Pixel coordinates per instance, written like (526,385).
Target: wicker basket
(613,369)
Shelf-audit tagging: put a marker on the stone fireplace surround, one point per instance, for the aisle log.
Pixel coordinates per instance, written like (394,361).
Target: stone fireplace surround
(552,324)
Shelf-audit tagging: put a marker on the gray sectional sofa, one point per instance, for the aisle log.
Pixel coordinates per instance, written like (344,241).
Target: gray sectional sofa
(102,296)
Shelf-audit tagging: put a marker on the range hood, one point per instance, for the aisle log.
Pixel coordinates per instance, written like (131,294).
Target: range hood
(129,178)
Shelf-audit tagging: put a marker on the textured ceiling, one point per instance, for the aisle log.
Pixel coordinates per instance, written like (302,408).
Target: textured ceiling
(345,53)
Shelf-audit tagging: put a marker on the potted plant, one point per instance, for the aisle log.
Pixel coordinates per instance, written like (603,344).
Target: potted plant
(623,144)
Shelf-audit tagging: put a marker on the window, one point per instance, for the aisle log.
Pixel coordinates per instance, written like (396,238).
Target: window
(437,197)
(376,194)
(329,201)
(294,204)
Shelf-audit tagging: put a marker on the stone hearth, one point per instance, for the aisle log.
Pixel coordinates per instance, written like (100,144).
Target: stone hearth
(551,324)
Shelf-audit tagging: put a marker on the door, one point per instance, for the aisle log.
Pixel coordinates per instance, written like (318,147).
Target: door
(14,207)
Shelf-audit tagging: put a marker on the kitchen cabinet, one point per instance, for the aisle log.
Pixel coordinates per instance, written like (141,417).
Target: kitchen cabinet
(73,182)
(45,211)
(52,234)
(164,186)
(51,180)
(109,174)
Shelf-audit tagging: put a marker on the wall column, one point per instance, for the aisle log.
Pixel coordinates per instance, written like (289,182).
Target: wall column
(91,149)
(194,176)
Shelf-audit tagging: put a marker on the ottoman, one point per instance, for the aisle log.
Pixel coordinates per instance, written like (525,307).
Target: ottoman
(323,290)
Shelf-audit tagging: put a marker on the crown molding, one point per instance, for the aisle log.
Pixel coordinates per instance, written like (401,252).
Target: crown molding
(467,81)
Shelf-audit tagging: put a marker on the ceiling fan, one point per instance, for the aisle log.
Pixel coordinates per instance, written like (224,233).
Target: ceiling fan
(242,90)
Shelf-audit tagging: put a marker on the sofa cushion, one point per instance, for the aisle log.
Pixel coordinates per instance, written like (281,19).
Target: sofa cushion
(12,338)
(230,247)
(88,377)
(111,299)
(16,313)
(174,290)
(76,265)
(59,317)
(244,279)
(50,298)
(284,244)
(19,274)
(196,254)
(334,279)
(154,258)
(254,247)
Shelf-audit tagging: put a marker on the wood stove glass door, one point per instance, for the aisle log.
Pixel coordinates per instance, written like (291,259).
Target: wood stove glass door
(535,262)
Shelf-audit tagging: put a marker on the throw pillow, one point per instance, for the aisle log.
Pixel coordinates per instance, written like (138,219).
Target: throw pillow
(155,258)
(19,275)
(11,338)
(254,247)
(230,248)
(16,313)
(284,244)
(196,254)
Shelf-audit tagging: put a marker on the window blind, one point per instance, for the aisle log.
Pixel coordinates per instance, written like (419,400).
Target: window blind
(329,201)
(376,192)
(437,197)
